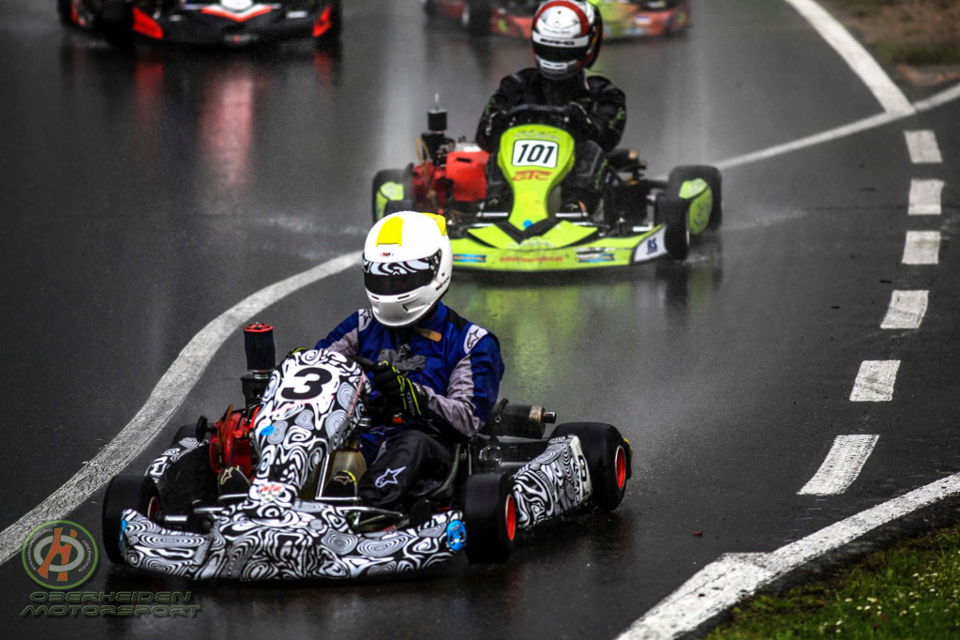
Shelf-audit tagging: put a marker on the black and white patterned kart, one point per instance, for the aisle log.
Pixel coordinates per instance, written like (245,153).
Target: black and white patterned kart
(300,423)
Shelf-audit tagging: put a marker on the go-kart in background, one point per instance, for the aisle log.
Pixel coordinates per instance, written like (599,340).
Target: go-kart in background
(142,195)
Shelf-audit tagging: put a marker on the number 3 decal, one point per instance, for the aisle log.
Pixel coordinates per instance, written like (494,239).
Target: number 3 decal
(311,381)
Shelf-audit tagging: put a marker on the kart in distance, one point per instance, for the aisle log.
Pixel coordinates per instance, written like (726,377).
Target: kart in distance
(637,219)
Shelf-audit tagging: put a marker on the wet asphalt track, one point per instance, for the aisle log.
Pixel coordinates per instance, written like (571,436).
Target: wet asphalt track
(144,195)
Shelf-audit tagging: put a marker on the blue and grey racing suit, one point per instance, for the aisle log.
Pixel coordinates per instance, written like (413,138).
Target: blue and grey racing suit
(456,363)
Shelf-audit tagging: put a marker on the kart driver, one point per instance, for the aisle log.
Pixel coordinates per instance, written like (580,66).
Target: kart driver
(436,376)
(566,41)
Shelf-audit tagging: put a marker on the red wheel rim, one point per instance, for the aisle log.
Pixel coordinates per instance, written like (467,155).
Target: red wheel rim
(621,462)
(510,513)
(153,507)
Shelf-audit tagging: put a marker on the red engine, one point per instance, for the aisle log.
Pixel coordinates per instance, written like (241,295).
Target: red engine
(230,446)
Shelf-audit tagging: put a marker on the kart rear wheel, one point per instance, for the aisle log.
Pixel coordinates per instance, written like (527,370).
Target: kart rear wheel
(401,176)
(490,513)
(608,458)
(476,17)
(707,173)
(673,212)
(116,20)
(126,492)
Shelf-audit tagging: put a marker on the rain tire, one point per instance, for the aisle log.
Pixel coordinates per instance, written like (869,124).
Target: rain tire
(608,459)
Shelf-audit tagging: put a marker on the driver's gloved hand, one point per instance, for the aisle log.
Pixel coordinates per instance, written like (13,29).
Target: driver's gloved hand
(399,392)
(495,126)
(581,124)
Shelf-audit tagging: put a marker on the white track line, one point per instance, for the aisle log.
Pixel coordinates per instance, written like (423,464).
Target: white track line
(906,309)
(841,466)
(923,147)
(925,197)
(875,381)
(887,93)
(921,247)
(736,576)
(165,399)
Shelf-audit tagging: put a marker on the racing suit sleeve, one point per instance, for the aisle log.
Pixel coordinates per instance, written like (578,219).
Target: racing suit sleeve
(472,389)
(345,338)
(608,110)
(503,99)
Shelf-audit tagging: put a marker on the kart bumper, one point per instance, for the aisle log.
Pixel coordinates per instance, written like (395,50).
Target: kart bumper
(534,255)
(286,544)
(209,25)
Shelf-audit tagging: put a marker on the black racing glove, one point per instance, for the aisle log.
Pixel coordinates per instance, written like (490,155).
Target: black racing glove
(400,394)
(581,124)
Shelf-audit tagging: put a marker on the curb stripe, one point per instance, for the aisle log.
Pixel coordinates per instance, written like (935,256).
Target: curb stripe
(735,576)
(921,247)
(925,197)
(923,147)
(842,465)
(906,309)
(875,381)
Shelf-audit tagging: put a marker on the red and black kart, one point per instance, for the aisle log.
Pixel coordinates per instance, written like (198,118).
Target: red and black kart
(205,22)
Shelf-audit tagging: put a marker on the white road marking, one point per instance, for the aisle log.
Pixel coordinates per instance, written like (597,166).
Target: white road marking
(735,576)
(165,399)
(921,247)
(875,381)
(906,309)
(843,131)
(841,466)
(925,197)
(887,93)
(923,147)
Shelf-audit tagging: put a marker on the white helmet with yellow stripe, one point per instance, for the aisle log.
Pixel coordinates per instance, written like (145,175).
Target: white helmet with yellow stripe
(407,264)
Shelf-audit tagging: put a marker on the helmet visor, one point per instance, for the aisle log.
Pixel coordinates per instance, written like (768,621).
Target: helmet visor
(396,278)
(553,53)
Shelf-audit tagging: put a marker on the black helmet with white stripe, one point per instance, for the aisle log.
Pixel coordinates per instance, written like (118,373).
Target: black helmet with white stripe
(566,37)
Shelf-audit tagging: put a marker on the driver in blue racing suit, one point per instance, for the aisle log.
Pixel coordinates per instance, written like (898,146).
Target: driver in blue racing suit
(437,375)
(566,41)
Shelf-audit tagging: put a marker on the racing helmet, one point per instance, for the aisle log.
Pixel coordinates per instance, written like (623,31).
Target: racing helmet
(566,37)
(407,264)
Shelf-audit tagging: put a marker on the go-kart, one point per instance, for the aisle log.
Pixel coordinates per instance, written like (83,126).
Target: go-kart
(620,18)
(255,496)
(228,22)
(637,219)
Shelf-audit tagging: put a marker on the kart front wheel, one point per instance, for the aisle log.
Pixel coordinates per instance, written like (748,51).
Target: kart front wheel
(608,459)
(673,211)
(710,175)
(126,492)
(476,17)
(490,513)
(116,20)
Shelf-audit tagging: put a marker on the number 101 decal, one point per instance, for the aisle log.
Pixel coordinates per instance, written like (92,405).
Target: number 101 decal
(539,153)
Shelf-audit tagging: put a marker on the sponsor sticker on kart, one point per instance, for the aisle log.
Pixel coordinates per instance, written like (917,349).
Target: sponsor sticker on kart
(650,248)
(595,254)
(535,153)
(469,257)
